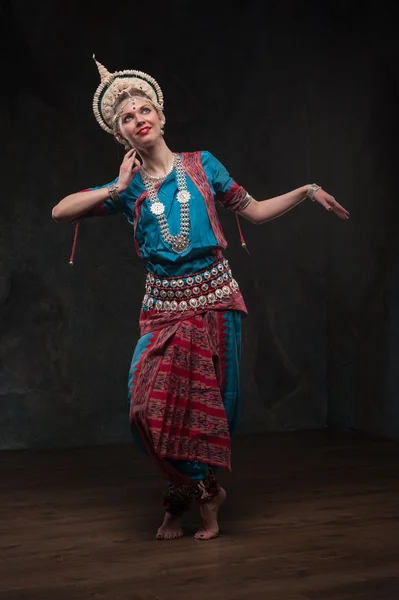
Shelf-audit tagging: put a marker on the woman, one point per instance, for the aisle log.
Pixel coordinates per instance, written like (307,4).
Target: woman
(184,379)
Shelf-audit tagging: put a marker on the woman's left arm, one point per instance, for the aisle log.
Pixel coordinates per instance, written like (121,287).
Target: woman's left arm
(266,210)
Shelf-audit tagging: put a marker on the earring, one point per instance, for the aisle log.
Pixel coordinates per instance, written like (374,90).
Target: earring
(162,127)
(122,141)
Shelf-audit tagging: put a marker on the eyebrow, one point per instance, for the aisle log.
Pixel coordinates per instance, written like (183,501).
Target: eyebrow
(129,110)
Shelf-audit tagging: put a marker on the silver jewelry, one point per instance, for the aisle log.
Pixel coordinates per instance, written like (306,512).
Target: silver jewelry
(312,190)
(157,178)
(181,241)
(113,84)
(131,100)
(245,202)
(171,295)
(124,142)
(113,192)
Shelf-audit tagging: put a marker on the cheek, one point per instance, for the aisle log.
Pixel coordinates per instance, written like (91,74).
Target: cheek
(126,129)
(153,119)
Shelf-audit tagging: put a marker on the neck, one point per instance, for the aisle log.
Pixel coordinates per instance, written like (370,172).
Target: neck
(157,159)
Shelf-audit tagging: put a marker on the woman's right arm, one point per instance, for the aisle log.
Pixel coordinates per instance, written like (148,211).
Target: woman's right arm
(76,205)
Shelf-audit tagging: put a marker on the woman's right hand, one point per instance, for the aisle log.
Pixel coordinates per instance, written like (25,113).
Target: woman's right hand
(129,167)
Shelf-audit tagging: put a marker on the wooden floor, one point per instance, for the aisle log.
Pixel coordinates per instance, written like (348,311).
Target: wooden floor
(309,516)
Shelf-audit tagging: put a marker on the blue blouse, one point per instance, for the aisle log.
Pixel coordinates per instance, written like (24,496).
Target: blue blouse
(158,256)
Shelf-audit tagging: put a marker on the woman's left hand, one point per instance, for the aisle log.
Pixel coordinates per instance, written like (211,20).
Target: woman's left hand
(330,204)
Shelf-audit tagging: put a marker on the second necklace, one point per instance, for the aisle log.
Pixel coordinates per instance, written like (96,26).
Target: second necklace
(180,242)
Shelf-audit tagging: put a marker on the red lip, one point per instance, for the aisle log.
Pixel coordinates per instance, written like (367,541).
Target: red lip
(144,130)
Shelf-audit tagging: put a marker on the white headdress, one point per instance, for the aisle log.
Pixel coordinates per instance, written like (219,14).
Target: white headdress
(113,84)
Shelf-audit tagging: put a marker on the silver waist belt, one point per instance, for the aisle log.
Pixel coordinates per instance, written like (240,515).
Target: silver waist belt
(202,289)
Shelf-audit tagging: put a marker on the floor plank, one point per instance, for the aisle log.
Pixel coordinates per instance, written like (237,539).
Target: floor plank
(309,516)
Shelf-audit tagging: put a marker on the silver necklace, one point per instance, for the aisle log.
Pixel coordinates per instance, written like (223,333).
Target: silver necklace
(158,177)
(181,241)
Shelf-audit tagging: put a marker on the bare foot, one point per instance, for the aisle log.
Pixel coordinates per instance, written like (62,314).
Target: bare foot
(170,528)
(209,513)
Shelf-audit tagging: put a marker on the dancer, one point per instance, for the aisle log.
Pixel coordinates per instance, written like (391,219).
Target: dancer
(184,377)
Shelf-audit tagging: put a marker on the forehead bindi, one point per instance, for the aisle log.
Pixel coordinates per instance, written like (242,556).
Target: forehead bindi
(132,105)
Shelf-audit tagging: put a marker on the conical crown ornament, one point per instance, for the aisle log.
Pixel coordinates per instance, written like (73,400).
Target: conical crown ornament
(113,84)
(104,73)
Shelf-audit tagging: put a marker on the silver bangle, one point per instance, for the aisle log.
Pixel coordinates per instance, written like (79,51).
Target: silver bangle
(245,202)
(113,192)
(312,190)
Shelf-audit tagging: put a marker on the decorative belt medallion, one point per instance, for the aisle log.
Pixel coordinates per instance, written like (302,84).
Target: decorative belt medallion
(191,292)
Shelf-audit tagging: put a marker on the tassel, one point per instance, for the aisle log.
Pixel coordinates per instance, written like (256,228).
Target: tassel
(75,239)
(243,244)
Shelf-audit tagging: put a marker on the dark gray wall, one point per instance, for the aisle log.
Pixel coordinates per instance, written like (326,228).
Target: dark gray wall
(284,94)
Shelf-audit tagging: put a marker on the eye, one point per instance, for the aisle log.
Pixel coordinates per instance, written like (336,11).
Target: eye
(145,110)
(126,118)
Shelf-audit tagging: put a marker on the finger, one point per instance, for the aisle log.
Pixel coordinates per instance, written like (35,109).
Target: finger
(331,201)
(132,157)
(325,204)
(330,204)
(129,156)
(325,200)
(339,208)
(136,165)
(341,213)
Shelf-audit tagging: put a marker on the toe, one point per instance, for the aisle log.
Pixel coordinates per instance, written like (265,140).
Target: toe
(206,535)
(199,535)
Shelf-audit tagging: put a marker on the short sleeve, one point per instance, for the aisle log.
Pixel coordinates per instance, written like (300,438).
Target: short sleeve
(108,207)
(228,192)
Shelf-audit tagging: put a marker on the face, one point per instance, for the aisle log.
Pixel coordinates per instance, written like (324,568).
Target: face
(139,122)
